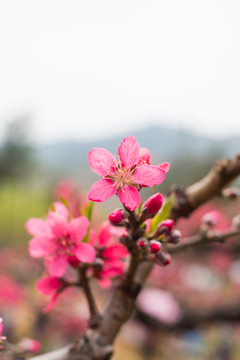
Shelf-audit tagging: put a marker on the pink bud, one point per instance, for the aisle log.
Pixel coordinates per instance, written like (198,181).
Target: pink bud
(211,218)
(116,216)
(168,224)
(142,243)
(155,246)
(154,203)
(30,345)
(163,259)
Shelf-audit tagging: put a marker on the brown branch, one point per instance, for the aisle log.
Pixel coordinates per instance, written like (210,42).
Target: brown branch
(188,199)
(202,239)
(90,298)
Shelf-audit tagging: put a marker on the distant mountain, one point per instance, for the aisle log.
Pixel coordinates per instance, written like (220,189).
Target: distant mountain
(164,144)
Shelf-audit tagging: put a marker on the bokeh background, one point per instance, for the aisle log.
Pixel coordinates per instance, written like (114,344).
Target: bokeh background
(81,74)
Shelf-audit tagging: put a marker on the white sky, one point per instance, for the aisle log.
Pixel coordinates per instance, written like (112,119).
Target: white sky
(91,68)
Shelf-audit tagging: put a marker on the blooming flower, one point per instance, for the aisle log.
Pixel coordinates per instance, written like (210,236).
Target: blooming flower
(58,240)
(109,251)
(124,175)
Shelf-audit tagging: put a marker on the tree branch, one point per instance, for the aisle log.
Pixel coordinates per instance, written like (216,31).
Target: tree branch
(188,199)
(202,239)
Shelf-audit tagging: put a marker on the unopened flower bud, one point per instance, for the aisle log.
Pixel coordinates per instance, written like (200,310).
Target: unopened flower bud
(117,216)
(164,227)
(211,218)
(98,264)
(142,243)
(162,259)
(231,192)
(155,246)
(174,236)
(153,204)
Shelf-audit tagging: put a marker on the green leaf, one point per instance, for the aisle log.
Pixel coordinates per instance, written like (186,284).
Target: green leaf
(89,210)
(88,214)
(163,213)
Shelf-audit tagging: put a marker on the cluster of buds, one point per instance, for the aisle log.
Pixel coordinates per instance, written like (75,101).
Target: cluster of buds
(154,247)
(165,228)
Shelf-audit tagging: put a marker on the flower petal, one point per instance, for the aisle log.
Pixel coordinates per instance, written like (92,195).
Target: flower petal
(85,252)
(39,246)
(78,227)
(130,197)
(164,166)
(101,161)
(102,190)
(145,156)
(37,227)
(58,224)
(129,152)
(149,175)
(57,265)
(48,285)
(104,234)
(115,252)
(61,209)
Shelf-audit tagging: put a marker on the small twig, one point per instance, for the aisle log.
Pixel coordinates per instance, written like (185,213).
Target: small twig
(202,239)
(87,290)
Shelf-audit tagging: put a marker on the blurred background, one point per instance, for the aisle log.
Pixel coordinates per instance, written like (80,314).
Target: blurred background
(81,74)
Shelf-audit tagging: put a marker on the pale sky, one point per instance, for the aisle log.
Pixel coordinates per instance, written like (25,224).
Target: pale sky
(93,68)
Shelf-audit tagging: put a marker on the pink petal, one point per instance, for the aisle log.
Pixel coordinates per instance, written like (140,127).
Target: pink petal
(130,197)
(48,285)
(78,228)
(115,251)
(58,224)
(149,175)
(104,234)
(61,209)
(129,152)
(164,166)
(112,272)
(51,303)
(57,265)
(145,156)
(101,161)
(39,247)
(37,227)
(85,252)
(1,328)
(104,283)
(102,190)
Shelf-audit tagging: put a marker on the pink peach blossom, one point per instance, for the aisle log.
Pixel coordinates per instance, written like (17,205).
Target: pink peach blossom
(110,251)
(124,175)
(58,239)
